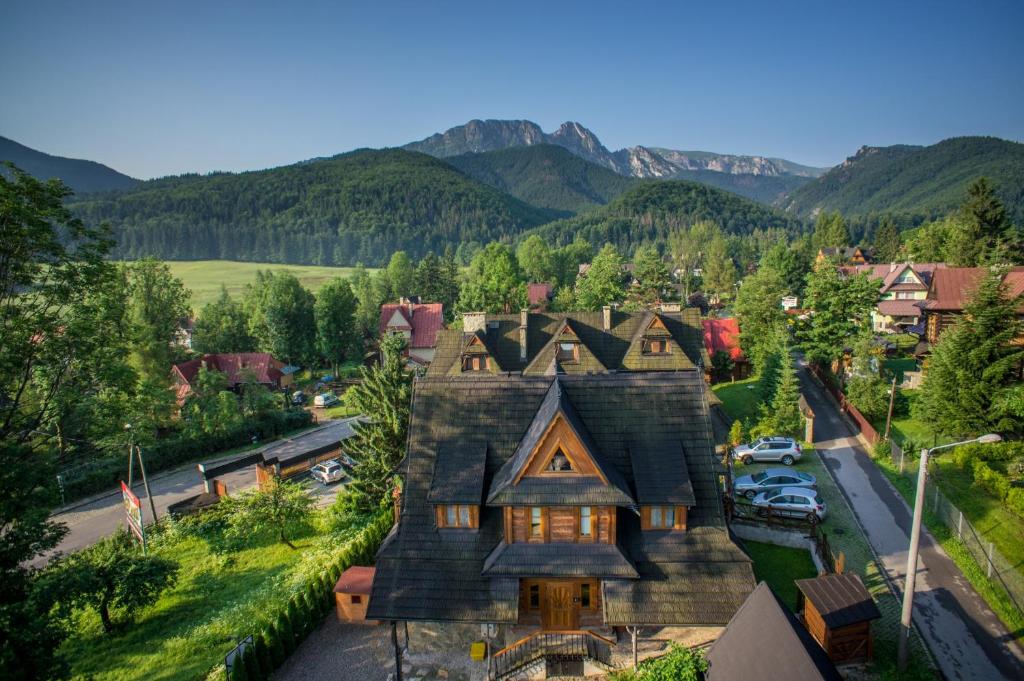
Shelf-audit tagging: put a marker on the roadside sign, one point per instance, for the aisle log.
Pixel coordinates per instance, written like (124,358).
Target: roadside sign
(133,514)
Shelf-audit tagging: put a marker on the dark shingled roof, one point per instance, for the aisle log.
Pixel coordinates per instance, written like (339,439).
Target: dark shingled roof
(459,474)
(840,599)
(660,474)
(539,490)
(696,577)
(764,636)
(603,351)
(559,560)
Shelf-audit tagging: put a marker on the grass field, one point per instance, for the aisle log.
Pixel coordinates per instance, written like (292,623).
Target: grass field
(204,277)
(739,398)
(780,566)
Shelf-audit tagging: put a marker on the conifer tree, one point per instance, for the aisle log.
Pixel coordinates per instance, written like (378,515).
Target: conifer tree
(653,282)
(378,444)
(973,365)
(785,406)
(887,242)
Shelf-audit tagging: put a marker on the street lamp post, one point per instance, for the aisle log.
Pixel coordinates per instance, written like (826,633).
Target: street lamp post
(915,541)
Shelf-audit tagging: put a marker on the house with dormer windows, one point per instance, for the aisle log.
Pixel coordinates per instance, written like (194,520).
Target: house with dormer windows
(560,489)
(902,290)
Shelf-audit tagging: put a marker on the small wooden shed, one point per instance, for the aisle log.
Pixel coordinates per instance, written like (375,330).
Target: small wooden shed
(837,610)
(352,594)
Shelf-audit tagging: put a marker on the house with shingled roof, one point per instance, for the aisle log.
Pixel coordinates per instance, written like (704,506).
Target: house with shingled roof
(418,323)
(903,288)
(560,488)
(238,367)
(951,289)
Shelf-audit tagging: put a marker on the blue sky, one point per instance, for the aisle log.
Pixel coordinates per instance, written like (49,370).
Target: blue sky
(159,88)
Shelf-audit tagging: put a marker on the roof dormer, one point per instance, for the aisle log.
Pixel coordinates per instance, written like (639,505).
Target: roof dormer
(477,356)
(654,348)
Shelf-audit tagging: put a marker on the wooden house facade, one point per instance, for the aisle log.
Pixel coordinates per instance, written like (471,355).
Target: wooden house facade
(560,476)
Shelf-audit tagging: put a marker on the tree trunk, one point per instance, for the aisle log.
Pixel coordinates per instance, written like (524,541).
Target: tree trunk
(284,540)
(108,626)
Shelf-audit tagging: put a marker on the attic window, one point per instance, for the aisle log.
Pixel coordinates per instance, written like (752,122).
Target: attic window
(560,463)
(474,363)
(568,352)
(457,515)
(656,347)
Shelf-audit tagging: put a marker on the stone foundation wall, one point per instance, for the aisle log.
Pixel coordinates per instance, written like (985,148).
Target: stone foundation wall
(430,637)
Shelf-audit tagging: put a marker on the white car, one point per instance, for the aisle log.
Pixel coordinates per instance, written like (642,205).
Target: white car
(783,449)
(326,400)
(792,502)
(327,471)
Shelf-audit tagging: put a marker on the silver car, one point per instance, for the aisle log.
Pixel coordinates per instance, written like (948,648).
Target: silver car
(327,472)
(771,479)
(784,449)
(792,502)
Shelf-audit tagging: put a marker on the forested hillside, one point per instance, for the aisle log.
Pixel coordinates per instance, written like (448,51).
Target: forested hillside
(545,175)
(356,207)
(766,189)
(926,181)
(649,211)
(81,176)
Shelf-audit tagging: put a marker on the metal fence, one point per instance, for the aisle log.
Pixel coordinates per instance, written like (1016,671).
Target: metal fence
(1003,575)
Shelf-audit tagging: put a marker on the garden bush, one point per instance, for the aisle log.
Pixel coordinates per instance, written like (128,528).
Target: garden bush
(252,665)
(1015,501)
(263,656)
(276,644)
(995,483)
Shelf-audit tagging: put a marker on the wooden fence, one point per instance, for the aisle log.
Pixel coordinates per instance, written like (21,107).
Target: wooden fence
(866,429)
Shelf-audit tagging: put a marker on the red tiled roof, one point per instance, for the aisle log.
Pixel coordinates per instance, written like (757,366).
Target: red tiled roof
(424,322)
(538,293)
(235,365)
(723,334)
(953,287)
(355,580)
(888,274)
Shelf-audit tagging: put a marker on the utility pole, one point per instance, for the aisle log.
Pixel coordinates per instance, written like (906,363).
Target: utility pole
(892,401)
(133,451)
(145,482)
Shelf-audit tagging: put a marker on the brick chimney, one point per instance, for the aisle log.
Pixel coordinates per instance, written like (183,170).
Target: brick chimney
(474,321)
(524,319)
(606,317)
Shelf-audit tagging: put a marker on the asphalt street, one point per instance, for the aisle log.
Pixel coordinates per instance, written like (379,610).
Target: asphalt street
(965,636)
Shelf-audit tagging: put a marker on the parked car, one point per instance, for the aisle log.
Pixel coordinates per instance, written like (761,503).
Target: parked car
(792,502)
(325,400)
(298,397)
(771,479)
(784,449)
(327,471)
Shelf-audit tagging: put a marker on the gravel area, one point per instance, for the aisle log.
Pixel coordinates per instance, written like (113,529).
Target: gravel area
(338,651)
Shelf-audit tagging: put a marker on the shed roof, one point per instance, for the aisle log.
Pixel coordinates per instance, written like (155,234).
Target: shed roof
(355,580)
(839,599)
(559,560)
(763,636)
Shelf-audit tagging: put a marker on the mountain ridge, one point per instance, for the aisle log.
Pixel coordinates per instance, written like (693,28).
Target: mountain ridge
(81,175)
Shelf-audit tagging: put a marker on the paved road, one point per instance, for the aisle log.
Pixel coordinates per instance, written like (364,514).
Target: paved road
(91,520)
(967,639)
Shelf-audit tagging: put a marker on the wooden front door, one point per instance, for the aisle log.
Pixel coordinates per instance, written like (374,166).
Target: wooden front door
(559,607)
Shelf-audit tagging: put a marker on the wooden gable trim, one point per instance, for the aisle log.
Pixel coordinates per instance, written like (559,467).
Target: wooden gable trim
(559,435)
(657,323)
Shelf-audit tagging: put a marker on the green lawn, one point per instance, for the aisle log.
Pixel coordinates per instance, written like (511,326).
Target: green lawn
(204,277)
(739,398)
(780,566)
(903,341)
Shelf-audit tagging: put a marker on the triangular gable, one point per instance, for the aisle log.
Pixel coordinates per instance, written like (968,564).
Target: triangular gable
(652,326)
(399,321)
(546,363)
(476,345)
(557,428)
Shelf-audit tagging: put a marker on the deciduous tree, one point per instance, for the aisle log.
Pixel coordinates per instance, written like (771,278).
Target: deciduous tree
(652,282)
(337,335)
(277,507)
(494,282)
(841,308)
(157,303)
(603,284)
(222,326)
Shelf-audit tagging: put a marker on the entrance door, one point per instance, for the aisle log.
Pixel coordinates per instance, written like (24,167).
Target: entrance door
(559,609)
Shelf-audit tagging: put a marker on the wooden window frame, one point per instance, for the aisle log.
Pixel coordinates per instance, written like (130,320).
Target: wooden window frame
(441,516)
(678,520)
(533,589)
(356,599)
(657,346)
(473,363)
(541,525)
(560,352)
(591,517)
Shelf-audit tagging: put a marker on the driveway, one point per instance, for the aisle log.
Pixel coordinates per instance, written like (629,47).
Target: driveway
(92,519)
(966,638)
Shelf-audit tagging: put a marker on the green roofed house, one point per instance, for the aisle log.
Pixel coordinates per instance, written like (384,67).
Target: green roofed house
(561,493)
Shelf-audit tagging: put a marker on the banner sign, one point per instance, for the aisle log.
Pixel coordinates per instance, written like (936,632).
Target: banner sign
(133,513)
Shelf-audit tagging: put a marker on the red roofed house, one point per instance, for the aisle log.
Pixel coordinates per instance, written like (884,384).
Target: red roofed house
(951,288)
(539,295)
(904,286)
(239,367)
(418,323)
(723,335)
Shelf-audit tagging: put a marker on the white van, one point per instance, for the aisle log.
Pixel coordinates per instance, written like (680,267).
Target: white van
(326,400)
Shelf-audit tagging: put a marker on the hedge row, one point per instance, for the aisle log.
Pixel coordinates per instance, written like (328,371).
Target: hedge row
(102,474)
(976,458)
(301,612)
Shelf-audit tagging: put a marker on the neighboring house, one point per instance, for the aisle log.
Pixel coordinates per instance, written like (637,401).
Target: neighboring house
(764,640)
(418,323)
(238,367)
(560,476)
(539,295)
(951,289)
(903,286)
(723,335)
(852,255)
(186,330)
